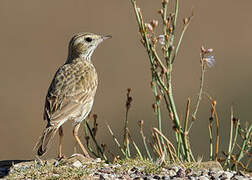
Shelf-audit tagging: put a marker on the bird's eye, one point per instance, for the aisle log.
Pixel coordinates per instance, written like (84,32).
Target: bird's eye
(88,39)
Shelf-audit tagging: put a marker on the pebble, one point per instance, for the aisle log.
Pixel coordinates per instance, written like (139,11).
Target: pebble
(203,178)
(97,160)
(77,164)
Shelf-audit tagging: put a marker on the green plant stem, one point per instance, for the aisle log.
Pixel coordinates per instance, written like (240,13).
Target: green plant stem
(245,143)
(180,39)
(185,133)
(217,134)
(171,148)
(116,141)
(210,128)
(227,161)
(136,148)
(155,77)
(201,87)
(99,149)
(126,135)
(235,135)
(169,82)
(145,144)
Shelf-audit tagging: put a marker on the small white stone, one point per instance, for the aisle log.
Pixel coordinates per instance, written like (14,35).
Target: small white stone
(97,160)
(203,178)
(192,178)
(55,175)
(105,165)
(77,164)
(228,174)
(218,174)
(172,172)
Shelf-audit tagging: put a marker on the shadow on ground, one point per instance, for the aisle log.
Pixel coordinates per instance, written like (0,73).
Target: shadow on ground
(5,166)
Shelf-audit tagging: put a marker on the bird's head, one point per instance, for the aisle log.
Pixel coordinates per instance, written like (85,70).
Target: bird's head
(82,45)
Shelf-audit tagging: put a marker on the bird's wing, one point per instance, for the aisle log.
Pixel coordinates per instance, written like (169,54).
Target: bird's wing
(73,85)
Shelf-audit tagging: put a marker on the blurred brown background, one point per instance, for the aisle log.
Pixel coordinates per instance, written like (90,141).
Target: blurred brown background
(34,37)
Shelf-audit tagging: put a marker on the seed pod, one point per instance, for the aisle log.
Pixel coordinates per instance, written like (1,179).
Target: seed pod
(149,27)
(158,97)
(154,23)
(160,11)
(185,20)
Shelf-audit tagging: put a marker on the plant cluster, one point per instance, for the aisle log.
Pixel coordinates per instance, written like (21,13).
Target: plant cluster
(163,149)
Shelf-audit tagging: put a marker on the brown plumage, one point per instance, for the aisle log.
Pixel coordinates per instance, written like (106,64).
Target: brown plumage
(72,90)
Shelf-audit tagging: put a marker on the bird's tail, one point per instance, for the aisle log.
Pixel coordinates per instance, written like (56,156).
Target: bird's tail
(45,140)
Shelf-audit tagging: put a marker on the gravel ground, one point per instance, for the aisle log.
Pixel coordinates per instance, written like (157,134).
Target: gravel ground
(77,167)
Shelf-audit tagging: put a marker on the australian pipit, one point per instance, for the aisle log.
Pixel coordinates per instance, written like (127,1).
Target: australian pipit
(72,90)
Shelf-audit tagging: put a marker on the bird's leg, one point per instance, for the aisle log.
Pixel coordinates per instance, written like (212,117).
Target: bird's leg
(75,134)
(60,142)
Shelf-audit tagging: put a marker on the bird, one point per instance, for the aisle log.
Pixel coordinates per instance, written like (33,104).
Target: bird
(71,93)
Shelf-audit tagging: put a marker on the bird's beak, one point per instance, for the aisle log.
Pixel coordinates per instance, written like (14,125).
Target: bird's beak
(106,37)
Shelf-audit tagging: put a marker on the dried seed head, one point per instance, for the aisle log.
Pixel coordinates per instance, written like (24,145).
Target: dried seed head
(154,106)
(160,11)
(174,127)
(235,120)
(154,23)
(138,10)
(152,84)
(211,119)
(149,27)
(95,116)
(203,50)
(185,20)
(170,30)
(159,97)
(167,37)
(140,123)
(166,22)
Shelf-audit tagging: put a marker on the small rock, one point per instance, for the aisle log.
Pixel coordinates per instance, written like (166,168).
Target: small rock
(55,175)
(77,164)
(165,178)
(156,177)
(172,172)
(188,171)
(217,174)
(97,160)
(203,178)
(105,165)
(181,173)
(146,178)
(229,174)
(191,178)
(178,178)
(137,178)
